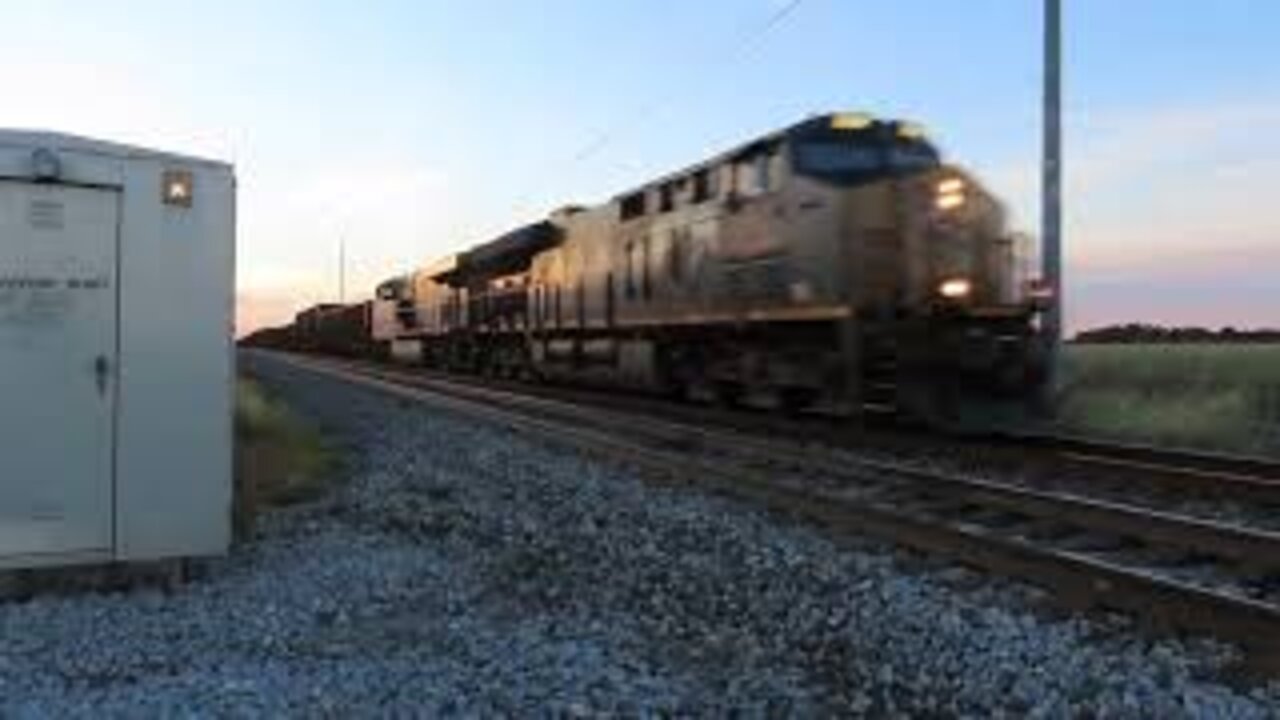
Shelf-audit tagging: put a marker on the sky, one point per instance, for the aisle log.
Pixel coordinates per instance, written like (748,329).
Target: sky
(415,129)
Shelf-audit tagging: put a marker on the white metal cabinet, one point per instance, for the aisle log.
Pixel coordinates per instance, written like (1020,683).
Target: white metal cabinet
(117,271)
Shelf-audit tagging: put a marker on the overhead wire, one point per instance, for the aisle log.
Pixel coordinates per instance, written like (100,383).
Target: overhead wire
(739,50)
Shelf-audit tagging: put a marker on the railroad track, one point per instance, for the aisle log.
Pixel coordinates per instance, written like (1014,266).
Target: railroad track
(1198,483)
(1234,477)
(1171,571)
(1167,477)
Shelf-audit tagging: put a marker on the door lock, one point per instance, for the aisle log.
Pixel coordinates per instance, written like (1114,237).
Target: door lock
(102,371)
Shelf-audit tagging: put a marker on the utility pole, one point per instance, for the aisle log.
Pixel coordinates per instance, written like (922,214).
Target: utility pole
(342,269)
(1051,189)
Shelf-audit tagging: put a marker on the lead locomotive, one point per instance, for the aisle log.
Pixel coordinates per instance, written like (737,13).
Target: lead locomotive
(836,264)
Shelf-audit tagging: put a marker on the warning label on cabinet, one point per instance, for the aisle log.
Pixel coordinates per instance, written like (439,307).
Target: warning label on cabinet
(33,300)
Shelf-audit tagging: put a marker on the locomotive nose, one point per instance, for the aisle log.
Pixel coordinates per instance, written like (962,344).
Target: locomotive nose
(962,239)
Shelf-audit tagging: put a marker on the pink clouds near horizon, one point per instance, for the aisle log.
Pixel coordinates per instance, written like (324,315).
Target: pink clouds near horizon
(256,310)
(1167,215)
(1233,287)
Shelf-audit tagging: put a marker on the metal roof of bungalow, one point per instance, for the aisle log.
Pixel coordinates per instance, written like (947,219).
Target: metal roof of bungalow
(66,142)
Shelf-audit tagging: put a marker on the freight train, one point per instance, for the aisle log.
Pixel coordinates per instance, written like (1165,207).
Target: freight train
(837,264)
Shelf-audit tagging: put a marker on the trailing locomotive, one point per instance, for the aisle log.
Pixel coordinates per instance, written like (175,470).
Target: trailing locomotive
(838,263)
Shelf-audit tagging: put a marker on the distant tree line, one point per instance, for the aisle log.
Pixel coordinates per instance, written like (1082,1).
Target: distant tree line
(1144,333)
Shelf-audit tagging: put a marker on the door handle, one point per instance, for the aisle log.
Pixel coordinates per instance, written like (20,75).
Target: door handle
(102,371)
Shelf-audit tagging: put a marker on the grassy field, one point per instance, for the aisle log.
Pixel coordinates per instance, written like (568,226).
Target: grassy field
(280,459)
(1223,397)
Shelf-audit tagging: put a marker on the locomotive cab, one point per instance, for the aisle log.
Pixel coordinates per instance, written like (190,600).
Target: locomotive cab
(920,252)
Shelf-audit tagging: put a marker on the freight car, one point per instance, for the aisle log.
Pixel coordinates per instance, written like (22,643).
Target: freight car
(334,329)
(838,263)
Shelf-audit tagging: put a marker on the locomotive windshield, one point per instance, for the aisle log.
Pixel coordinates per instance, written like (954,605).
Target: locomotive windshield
(860,155)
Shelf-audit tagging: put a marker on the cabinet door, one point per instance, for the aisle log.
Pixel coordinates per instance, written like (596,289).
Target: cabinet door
(58,353)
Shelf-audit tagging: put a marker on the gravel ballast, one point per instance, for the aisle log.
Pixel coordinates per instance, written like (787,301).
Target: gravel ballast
(462,569)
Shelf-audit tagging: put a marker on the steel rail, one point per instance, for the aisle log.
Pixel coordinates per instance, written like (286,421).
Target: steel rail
(1203,461)
(1249,478)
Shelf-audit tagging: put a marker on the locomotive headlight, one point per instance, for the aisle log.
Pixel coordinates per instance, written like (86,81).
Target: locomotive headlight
(955,288)
(851,121)
(950,193)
